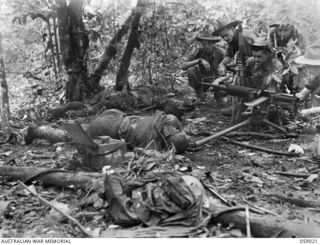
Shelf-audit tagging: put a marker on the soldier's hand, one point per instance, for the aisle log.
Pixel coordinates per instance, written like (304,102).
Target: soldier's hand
(204,65)
(222,70)
(240,66)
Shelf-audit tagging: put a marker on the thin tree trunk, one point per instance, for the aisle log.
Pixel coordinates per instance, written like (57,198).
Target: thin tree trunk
(110,51)
(133,42)
(5,106)
(56,41)
(74,43)
(63,27)
(51,47)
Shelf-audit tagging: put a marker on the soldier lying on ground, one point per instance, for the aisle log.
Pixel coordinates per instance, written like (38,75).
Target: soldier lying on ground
(139,98)
(203,63)
(160,130)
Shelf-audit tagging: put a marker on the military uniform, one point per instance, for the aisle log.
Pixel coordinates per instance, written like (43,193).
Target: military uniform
(196,74)
(267,77)
(282,42)
(314,84)
(233,46)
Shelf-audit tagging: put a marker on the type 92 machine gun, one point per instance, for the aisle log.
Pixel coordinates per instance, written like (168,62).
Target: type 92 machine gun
(255,116)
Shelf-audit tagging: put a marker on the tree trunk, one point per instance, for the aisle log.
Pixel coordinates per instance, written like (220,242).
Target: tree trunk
(110,51)
(74,43)
(4,107)
(51,47)
(56,41)
(133,42)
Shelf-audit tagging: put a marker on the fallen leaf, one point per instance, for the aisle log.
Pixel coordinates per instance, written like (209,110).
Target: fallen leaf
(6,154)
(3,205)
(312,177)
(183,169)
(32,188)
(296,149)
(55,215)
(251,178)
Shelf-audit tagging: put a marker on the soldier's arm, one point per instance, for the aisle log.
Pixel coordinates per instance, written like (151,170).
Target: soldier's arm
(226,60)
(192,59)
(187,64)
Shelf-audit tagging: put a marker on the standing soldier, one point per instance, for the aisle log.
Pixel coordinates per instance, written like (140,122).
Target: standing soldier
(202,64)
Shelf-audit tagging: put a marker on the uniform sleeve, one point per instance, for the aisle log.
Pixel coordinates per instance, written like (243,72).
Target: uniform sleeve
(229,51)
(278,70)
(195,54)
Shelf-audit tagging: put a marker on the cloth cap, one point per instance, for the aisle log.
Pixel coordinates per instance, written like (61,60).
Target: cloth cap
(311,56)
(206,36)
(260,43)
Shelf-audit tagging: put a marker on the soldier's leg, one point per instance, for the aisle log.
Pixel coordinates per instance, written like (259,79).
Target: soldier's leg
(194,78)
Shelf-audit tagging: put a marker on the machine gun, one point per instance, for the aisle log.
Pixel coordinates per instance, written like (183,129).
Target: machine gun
(255,116)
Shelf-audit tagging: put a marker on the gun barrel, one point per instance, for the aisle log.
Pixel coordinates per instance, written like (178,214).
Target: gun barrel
(287,98)
(233,90)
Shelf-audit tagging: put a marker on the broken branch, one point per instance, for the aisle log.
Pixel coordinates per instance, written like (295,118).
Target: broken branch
(295,201)
(292,174)
(258,148)
(73,220)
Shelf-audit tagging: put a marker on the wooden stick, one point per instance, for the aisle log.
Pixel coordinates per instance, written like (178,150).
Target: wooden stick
(73,220)
(248,222)
(258,148)
(295,201)
(263,210)
(216,194)
(292,174)
(253,134)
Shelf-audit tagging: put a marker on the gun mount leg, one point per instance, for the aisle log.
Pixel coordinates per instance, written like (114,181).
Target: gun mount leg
(266,121)
(221,133)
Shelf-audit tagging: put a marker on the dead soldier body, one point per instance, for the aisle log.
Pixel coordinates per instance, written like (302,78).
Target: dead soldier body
(158,130)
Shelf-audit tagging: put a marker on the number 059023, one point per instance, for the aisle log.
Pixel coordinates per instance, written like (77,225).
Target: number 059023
(309,240)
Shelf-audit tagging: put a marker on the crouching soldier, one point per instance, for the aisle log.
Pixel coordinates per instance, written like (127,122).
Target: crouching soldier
(202,64)
(311,62)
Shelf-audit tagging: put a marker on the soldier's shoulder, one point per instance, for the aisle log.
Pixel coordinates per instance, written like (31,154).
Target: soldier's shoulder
(249,34)
(220,50)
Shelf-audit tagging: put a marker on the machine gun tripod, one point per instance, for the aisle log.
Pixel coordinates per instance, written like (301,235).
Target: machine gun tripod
(256,117)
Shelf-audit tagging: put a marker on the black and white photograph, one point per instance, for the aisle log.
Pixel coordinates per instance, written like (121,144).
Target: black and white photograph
(159,119)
